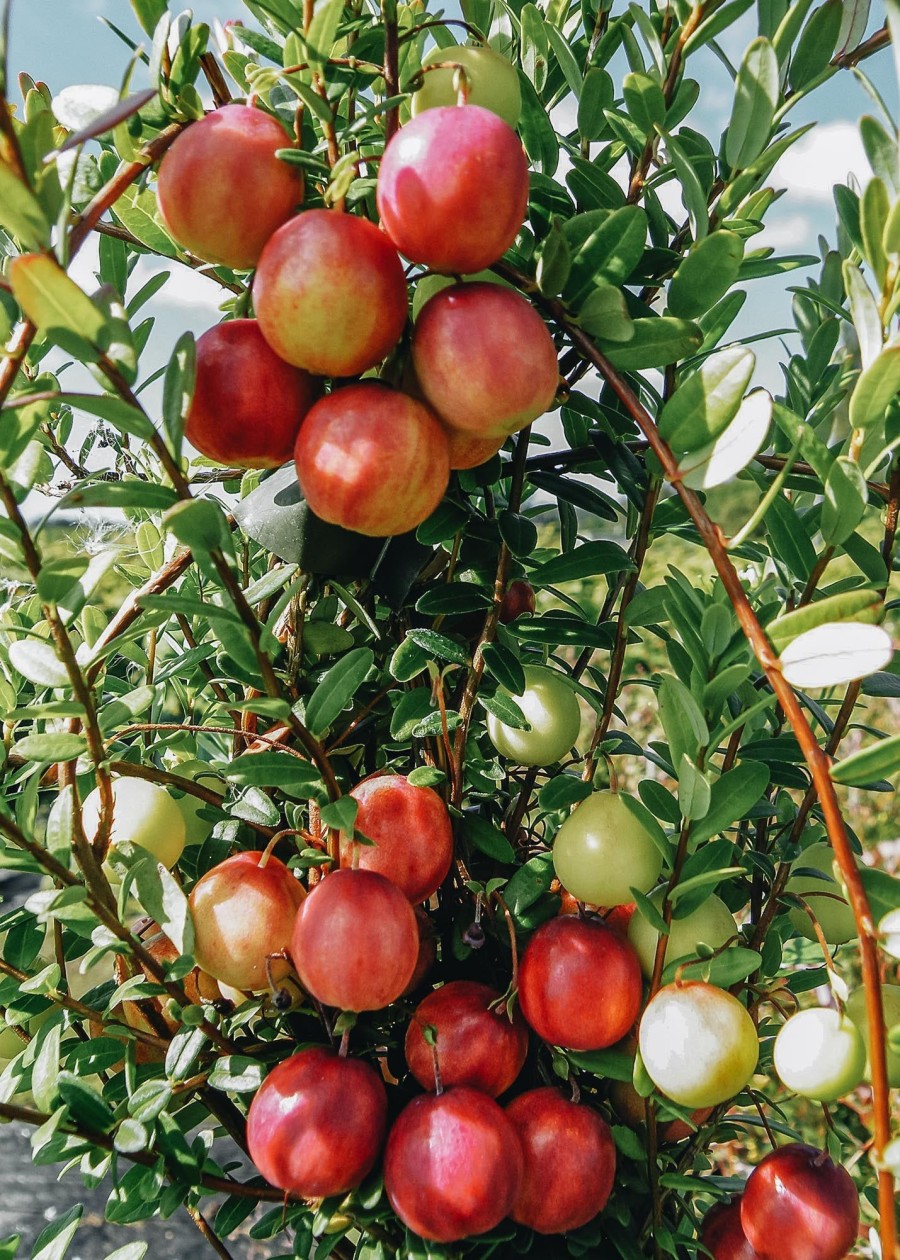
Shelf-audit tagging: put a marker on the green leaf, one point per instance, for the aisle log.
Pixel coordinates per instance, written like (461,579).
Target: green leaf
(148,13)
(845,502)
(562,791)
(611,252)
(454,598)
(864,311)
(161,896)
(682,719)
(408,660)
(590,559)
(597,95)
(236,1074)
(644,101)
(322,31)
(790,538)
(505,709)
(604,313)
(705,274)
(756,98)
(881,150)
(817,43)
(874,209)
(272,769)
(122,494)
(54,1241)
(337,689)
(488,839)
(536,130)
(131,1251)
(554,261)
(121,415)
(199,524)
(876,387)
(565,57)
(434,644)
(693,188)
(657,341)
(707,401)
(518,532)
(732,796)
(20,211)
(878,761)
(45,1071)
(835,653)
(36,660)
(693,789)
(722,459)
(503,665)
(53,302)
(341,814)
(58,746)
(178,388)
(85,1104)
(184,1050)
(727,968)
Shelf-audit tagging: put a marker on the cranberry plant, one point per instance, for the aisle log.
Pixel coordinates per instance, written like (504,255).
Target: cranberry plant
(356,819)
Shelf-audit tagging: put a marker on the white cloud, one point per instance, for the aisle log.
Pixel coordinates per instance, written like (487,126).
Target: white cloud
(184,286)
(827,155)
(794,231)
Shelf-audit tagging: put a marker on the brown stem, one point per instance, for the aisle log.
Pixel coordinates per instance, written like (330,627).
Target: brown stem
(391,65)
(115,187)
(117,232)
(489,631)
(617,659)
(880,39)
(639,174)
(207,1231)
(78,1008)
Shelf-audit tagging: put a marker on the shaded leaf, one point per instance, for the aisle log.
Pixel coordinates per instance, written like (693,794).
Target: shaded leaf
(756,98)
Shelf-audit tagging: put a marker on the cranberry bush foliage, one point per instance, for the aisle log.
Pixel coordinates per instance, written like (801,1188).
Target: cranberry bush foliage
(235,629)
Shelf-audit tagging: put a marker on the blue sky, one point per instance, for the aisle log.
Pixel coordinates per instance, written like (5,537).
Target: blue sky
(65,42)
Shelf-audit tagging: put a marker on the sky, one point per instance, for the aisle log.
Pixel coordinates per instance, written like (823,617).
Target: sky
(66,42)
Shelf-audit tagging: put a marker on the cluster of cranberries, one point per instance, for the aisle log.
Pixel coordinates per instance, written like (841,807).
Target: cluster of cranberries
(455,1162)
(331,302)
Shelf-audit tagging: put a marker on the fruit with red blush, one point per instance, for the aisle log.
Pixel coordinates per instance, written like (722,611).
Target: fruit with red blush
(411,830)
(579,983)
(355,943)
(476,1042)
(248,404)
(797,1202)
(452,1165)
(316,1124)
(570,1162)
(243,912)
(231,148)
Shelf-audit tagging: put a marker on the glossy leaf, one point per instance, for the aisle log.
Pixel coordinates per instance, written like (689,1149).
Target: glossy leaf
(705,274)
(655,343)
(817,43)
(876,387)
(877,761)
(721,460)
(337,689)
(755,101)
(54,302)
(845,501)
(835,653)
(707,401)
(20,211)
